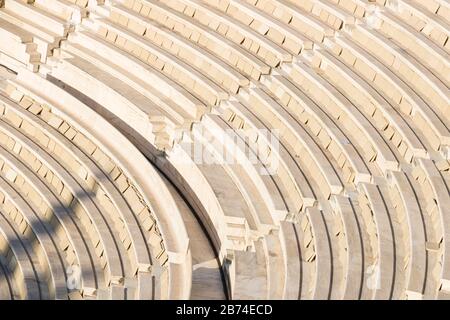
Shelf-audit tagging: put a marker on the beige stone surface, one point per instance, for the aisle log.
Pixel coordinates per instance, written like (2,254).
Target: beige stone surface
(103,197)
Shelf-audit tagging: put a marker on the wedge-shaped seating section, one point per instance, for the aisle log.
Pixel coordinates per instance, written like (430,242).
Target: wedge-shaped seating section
(94,196)
(224,149)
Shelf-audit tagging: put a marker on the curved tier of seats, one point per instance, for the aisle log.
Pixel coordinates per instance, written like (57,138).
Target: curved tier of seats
(244,149)
(90,207)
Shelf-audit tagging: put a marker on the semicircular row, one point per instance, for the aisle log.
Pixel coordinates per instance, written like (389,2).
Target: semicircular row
(251,149)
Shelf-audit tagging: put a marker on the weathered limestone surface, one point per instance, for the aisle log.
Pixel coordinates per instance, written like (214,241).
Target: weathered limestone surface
(135,161)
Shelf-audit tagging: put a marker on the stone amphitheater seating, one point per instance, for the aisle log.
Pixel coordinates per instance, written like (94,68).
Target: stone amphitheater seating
(102,107)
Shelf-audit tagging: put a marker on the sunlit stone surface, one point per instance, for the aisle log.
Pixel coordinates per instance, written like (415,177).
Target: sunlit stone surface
(205,149)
